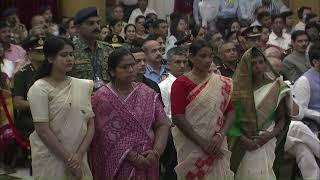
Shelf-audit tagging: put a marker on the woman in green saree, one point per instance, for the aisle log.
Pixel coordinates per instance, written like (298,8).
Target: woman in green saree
(260,105)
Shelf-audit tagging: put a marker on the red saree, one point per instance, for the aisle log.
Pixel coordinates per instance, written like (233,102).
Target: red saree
(123,125)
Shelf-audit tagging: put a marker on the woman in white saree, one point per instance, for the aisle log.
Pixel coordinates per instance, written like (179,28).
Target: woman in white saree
(202,113)
(260,105)
(62,115)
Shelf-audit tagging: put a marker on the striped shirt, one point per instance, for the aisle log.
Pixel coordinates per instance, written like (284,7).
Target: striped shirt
(276,7)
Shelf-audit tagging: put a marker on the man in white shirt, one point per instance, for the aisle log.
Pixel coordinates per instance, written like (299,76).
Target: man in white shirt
(141,10)
(302,13)
(306,94)
(301,142)
(177,64)
(277,37)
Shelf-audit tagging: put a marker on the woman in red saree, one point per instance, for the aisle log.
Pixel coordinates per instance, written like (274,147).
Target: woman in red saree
(202,113)
(131,125)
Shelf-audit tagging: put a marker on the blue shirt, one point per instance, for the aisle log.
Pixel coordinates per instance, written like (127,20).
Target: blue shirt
(153,75)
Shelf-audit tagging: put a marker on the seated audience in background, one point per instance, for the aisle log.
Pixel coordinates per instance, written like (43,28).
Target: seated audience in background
(129,33)
(117,12)
(263,19)
(296,63)
(116,26)
(19,31)
(278,37)
(288,21)
(161,26)
(68,29)
(140,29)
(215,40)
(105,31)
(312,18)
(235,26)
(198,33)
(142,10)
(264,38)
(178,29)
(14,53)
(46,12)
(302,13)
(39,27)
(274,7)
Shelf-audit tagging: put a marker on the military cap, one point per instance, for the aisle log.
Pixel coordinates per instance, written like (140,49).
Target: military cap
(253,31)
(84,14)
(33,44)
(115,40)
(9,12)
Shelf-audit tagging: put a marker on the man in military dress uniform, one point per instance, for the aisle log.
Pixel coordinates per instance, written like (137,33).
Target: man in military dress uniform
(91,55)
(22,83)
(229,56)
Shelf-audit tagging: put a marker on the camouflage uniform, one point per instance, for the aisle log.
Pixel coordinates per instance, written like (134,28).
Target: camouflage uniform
(91,64)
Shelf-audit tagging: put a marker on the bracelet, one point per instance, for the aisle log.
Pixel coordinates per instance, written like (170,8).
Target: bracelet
(220,135)
(157,154)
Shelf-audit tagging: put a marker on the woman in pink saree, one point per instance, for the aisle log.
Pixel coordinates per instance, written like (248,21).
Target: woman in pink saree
(131,125)
(202,113)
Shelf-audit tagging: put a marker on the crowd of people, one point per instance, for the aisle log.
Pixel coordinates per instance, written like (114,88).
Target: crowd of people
(131,99)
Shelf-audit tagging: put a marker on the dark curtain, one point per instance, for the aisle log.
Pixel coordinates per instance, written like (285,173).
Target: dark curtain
(29,8)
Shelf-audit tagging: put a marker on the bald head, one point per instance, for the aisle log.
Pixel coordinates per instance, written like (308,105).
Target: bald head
(152,50)
(272,52)
(276,63)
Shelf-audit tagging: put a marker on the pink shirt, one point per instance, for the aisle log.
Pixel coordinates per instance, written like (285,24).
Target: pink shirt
(15,53)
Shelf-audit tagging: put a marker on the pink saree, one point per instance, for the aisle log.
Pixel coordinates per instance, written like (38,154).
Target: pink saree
(123,125)
(205,112)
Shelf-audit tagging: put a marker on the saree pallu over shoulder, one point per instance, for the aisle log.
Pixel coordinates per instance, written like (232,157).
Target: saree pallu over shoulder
(208,102)
(69,109)
(122,126)
(255,109)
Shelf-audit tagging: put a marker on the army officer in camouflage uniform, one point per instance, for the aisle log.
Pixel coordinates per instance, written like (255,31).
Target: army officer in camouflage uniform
(90,54)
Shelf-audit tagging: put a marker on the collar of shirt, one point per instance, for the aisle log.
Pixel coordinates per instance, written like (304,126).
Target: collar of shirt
(273,36)
(171,77)
(84,46)
(150,70)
